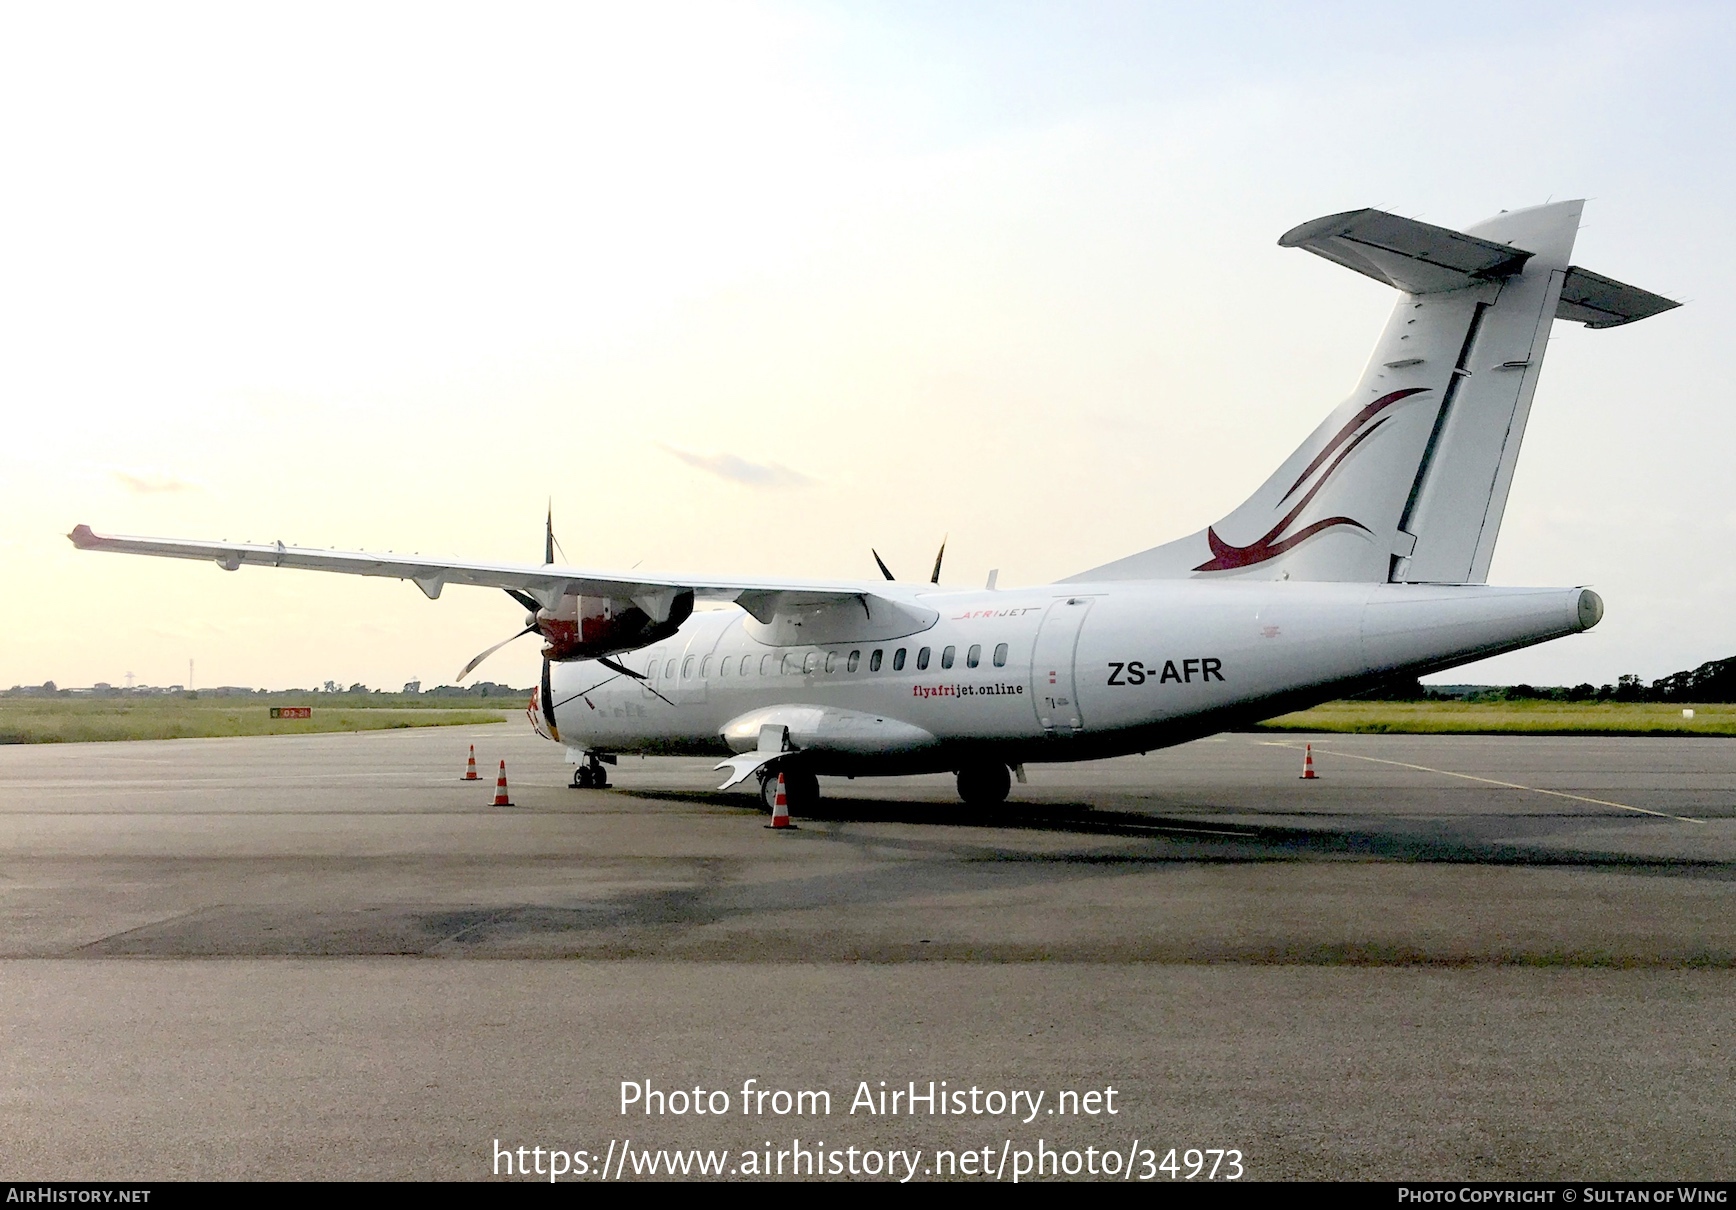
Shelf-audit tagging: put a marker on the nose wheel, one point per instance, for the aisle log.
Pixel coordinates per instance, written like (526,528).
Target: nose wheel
(591,775)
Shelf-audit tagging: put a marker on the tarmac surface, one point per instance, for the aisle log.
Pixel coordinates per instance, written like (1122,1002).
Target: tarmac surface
(326,956)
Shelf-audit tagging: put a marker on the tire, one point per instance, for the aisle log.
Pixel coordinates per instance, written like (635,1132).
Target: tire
(984,785)
(582,778)
(600,778)
(801,791)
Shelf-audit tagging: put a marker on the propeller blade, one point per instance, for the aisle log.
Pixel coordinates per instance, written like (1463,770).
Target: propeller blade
(612,666)
(549,534)
(884,570)
(547,698)
(471,666)
(523,598)
(935,578)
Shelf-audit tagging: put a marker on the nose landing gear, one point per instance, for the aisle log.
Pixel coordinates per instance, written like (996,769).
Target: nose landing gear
(591,775)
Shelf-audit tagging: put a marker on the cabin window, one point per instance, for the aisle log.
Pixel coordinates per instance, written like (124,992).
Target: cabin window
(810,663)
(946,657)
(1000,655)
(704,668)
(898,660)
(831,661)
(850,664)
(788,664)
(874,661)
(687,668)
(723,666)
(746,664)
(668,669)
(766,664)
(922,660)
(974,656)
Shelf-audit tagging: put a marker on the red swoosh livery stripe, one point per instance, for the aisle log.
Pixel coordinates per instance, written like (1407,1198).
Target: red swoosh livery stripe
(1226,557)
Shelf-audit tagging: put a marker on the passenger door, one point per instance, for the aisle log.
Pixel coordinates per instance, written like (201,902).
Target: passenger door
(1053,692)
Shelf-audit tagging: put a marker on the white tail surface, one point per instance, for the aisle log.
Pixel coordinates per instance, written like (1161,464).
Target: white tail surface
(1407,480)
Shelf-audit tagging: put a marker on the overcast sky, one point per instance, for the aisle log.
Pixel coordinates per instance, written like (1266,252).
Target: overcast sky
(751,288)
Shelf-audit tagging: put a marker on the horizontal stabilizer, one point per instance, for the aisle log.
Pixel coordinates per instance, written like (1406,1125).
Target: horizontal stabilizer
(1418,258)
(1598,302)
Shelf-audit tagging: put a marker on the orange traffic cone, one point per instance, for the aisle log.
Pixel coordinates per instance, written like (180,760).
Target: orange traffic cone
(780,807)
(470,768)
(1308,763)
(500,798)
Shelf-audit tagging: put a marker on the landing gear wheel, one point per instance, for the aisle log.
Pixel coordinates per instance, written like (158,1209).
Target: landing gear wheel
(801,791)
(984,785)
(591,775)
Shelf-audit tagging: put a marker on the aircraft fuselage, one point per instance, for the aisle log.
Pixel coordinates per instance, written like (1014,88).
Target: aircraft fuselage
(1055,673)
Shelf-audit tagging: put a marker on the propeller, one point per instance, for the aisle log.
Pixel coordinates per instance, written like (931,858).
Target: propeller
(477,659)
(530,603)
(932,579)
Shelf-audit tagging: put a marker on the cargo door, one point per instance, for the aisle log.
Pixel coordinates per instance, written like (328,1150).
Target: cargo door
(1052,687)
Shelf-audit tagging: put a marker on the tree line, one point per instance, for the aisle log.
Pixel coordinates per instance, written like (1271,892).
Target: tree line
(1713,681)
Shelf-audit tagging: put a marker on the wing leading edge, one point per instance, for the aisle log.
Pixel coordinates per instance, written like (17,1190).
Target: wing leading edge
(793,611)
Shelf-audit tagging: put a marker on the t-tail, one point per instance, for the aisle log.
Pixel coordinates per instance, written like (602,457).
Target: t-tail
(1407,480)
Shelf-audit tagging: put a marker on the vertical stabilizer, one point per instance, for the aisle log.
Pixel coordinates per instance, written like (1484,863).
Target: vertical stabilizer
(1407,480)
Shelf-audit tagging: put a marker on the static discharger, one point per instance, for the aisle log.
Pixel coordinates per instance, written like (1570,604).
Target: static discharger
(1307,763)
(470,768)
(781,807)
(500,798)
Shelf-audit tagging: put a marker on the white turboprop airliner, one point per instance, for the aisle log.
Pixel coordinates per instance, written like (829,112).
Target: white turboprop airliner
(1364,556)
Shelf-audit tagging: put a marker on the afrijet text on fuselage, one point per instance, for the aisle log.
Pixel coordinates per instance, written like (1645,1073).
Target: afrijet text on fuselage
(1364,556)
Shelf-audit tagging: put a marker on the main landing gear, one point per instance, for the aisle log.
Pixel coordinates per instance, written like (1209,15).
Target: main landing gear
(801,790)
(984,785)
(591,775)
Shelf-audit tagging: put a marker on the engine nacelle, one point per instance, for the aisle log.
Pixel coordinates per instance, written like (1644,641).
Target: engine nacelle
(583,628)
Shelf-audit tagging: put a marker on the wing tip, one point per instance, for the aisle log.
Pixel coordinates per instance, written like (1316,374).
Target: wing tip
(83,537)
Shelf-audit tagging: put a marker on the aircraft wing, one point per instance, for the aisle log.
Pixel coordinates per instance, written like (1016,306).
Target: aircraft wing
(794,611)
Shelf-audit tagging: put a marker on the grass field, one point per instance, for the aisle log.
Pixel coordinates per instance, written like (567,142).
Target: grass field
(1502,718)
(29,720)
(59,720)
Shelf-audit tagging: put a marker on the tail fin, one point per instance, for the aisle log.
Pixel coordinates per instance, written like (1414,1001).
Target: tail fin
(1408,479)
